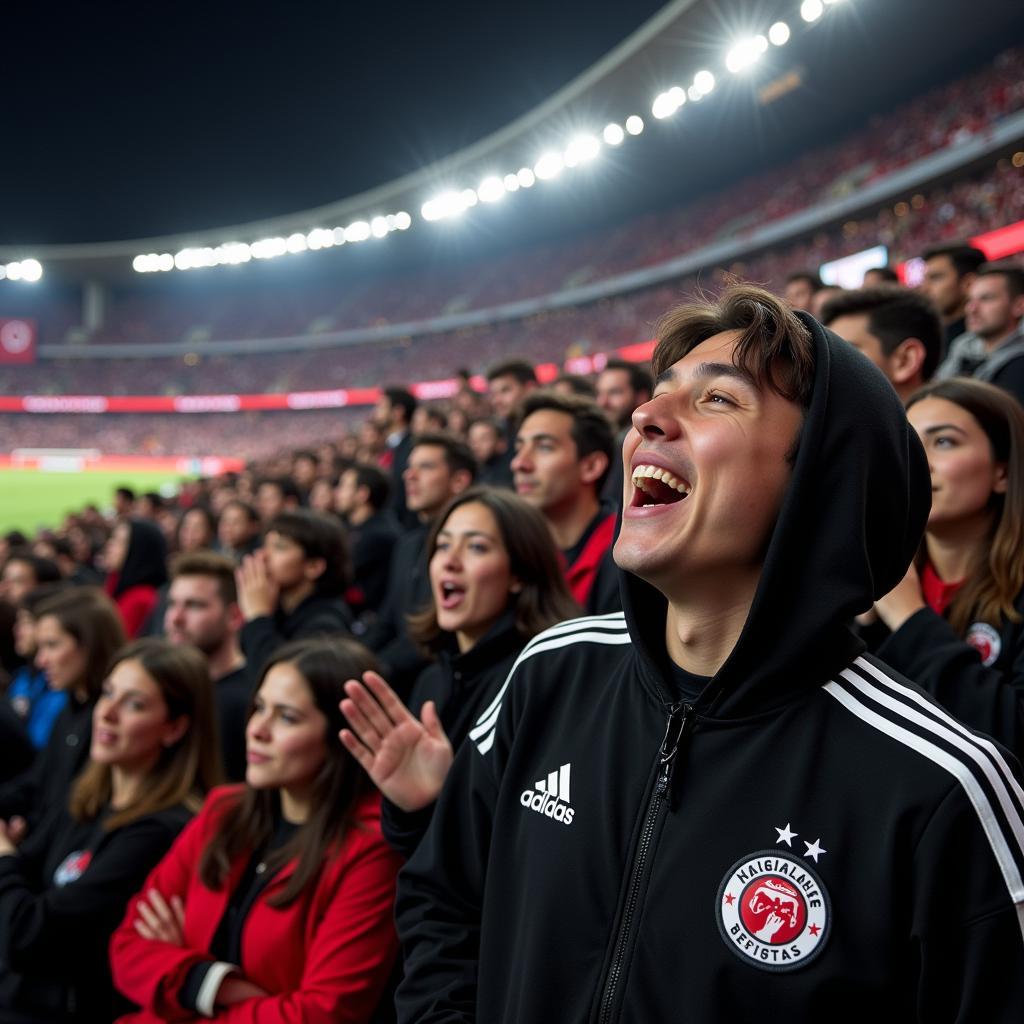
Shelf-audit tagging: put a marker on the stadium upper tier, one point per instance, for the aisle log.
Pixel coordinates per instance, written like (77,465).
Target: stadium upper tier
(944,119)
(980,202)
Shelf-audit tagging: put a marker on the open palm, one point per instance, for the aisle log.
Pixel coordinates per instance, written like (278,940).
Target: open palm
(407,758)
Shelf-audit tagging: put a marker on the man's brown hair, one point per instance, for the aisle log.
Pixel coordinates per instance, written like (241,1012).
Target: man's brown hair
(209,563)
(774,347)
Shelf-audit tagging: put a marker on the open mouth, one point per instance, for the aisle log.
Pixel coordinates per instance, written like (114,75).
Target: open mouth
(452,595)
(653,485)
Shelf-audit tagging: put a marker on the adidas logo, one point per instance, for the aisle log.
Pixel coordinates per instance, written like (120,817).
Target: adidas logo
(550,796)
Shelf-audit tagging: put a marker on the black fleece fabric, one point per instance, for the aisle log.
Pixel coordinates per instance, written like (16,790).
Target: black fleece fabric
(315,616)
(812,839)
(985,691)
(47,783)
(408,591)
(61,897)
(460,685)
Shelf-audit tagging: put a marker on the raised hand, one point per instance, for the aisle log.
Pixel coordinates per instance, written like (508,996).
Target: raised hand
(257,592)
(408,759)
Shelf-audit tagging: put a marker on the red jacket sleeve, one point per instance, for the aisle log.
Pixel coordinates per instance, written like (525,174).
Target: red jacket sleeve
(148,972)
(352,948)
(136,605)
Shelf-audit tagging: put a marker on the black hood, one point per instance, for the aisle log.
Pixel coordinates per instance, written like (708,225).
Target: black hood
(145,563)
(849,527)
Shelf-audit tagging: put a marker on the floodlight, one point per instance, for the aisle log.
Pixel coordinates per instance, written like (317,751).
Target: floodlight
(165,261)
(296,243)
(634,124)
(511,183)
(526,177)
(581,149)
(811,10)
(444,205)
(357,231)
(469,198)
(678,95)
(548,166)
(695,94)
(704,81)
(491,189)
(613,134)
(183,259)
(402,220)
(379,227)
(3,271)
(778,34)
(663,106)
(31,270)
(338,234)
(743,54)
(139,265)
(13,271)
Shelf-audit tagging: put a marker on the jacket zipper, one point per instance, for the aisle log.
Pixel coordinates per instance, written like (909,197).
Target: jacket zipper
(679,719)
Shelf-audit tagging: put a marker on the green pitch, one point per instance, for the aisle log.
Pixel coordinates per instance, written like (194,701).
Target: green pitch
(30,499)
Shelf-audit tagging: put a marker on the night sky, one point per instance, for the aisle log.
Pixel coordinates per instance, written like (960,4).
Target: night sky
(123,120)
(129,120)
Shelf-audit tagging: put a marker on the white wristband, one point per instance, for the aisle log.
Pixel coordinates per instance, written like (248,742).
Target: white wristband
(211,986)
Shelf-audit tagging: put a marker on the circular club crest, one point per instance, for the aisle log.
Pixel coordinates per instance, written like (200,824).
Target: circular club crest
(986,641)
(15,336)
(773,912)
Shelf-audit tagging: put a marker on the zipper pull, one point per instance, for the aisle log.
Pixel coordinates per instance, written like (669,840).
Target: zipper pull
(680,716)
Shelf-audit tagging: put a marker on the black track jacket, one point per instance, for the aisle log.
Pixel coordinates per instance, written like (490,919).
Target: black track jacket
(814,839)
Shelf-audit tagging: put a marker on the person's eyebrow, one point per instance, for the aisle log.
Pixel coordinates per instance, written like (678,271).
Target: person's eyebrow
(939,427)
(521,438)
(705,371)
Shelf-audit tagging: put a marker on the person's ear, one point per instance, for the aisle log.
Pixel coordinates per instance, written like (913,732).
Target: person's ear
(1000,478)
(175,730)
(515,586)
(314,568)
(592,467)
(236,620)
(461,479)
(907,361)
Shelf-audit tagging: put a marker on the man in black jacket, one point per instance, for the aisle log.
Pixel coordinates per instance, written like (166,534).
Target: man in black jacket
(292,587)
(714,808)
(440,467)
(361,498)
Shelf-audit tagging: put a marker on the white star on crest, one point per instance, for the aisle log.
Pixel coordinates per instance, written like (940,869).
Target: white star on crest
(814,849)
(785,836)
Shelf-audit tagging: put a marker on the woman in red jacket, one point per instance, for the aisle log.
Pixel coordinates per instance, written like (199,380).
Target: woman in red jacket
(136,562)
(275,903)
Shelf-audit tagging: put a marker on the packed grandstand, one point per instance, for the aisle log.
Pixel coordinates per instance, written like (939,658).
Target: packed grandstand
(616,619)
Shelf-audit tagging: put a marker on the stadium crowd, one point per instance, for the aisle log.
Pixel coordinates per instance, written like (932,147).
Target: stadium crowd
(946,213)
(461,709)
(232,714)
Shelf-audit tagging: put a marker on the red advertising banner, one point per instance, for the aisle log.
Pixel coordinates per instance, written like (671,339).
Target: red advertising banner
(296,401)
(17,341)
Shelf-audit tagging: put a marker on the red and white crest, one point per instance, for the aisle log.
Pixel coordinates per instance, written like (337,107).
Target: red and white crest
(986,641)
(773,911)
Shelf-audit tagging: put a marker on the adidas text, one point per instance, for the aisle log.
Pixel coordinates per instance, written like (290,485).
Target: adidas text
(550,796)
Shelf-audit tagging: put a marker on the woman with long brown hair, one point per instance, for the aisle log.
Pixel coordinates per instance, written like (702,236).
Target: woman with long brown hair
(496,582)
(957,619)
(152,757)
(77,633)
(275,904)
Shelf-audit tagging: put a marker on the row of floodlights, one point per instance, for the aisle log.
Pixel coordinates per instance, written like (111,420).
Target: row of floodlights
(581,150)
(232,253)
(585,147)
(21,270)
